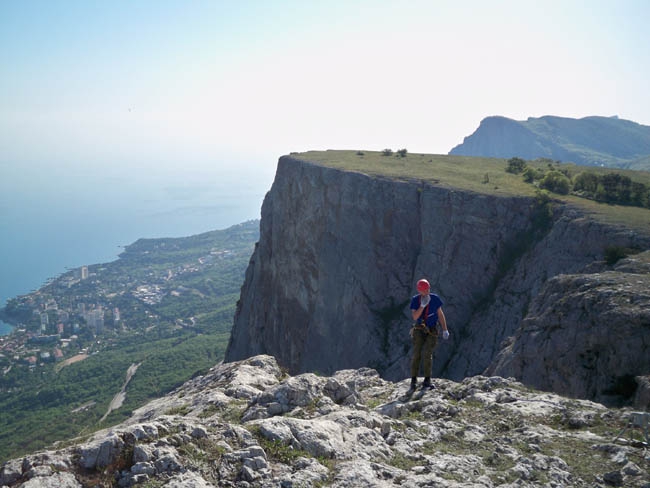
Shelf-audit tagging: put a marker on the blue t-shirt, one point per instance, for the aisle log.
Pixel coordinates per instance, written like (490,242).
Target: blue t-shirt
(430,311)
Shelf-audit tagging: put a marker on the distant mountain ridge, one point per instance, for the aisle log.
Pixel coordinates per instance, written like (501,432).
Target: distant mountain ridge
(590,141)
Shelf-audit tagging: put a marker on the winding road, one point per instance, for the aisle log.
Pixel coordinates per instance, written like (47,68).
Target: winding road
(118,399)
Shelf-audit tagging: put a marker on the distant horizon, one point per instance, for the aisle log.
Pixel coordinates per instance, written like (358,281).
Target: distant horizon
(113,94)
(109,81)
(89,215)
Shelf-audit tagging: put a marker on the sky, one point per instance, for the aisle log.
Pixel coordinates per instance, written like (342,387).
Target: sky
(159,82)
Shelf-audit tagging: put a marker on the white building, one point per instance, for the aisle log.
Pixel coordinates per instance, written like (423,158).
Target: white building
(95,319)
(45,320)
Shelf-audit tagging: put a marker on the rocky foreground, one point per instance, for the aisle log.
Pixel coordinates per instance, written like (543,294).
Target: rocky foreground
(248,424)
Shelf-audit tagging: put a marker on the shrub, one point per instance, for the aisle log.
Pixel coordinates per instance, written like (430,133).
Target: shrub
(387,152)
(556,182)
(616,188)
(613,254)
(587,182)
(638,194)
(532,174)
(402,153)
(516,165)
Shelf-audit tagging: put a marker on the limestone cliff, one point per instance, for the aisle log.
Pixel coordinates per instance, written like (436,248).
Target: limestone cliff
(329,283)
(247,424)
(585,335)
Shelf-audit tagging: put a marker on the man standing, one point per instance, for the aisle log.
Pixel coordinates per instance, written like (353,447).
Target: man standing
(426,309)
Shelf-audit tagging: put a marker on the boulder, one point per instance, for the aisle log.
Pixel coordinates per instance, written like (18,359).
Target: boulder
(350,429)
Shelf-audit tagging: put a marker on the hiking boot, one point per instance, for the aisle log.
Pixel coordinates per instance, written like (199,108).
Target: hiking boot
(427,383)
(414,383)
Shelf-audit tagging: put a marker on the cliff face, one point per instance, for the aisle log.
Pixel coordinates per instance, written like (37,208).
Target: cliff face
(329,284)
(585,335)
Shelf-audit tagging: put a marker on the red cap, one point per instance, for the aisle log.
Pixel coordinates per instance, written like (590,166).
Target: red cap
(423,285)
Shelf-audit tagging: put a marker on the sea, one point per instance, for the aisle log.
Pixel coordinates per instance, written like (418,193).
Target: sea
(56,217)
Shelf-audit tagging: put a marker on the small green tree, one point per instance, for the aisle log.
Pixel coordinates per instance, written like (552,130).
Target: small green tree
(587,182)
(402,153)
(516,165)
(387,152)
(614,254)
(529,175)
(638,193)
(617,188)
(556,182)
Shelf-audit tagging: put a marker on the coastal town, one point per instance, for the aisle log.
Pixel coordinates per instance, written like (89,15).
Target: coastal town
(98,341)
(50,333)
(85,310)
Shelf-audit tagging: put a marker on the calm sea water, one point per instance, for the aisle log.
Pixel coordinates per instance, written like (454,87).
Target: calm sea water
(55,218)
(4,328)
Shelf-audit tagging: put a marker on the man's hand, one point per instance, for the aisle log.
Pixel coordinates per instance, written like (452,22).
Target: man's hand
(445,334)
(424,301)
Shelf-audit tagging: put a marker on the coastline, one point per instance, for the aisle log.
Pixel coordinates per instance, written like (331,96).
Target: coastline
(126,202)
(5,329)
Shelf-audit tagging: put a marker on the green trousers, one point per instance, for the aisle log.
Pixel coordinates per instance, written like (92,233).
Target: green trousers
(423,345)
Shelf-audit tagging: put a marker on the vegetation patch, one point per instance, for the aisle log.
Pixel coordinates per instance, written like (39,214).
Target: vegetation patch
(276,450)
(234,411)
(211,410)
(401,461)
(202,451)
(154,483)
(613,254)
(375,401)
(181,410)
(609,187)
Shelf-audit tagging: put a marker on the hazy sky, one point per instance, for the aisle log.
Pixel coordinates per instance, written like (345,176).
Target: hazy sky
(167,80)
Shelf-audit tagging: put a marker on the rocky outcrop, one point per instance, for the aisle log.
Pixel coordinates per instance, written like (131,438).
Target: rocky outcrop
(607,141)
(248,424)
(329,284)
(585,335)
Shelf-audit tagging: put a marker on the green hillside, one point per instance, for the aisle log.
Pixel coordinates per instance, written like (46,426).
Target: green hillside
(176,300)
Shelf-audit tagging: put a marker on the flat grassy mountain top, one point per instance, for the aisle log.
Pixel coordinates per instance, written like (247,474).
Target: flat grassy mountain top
(479,174)
(590,141)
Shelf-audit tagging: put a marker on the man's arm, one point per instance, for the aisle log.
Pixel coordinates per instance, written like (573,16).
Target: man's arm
(416,313)
(442,319)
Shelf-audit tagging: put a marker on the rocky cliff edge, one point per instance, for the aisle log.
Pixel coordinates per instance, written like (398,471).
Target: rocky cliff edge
(329,284)
(249,424)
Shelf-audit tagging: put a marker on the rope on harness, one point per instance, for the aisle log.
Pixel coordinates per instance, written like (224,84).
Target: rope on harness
(421,327)
(421,323)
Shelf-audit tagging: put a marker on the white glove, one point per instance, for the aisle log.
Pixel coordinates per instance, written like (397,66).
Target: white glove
(424,301)
(445,334)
